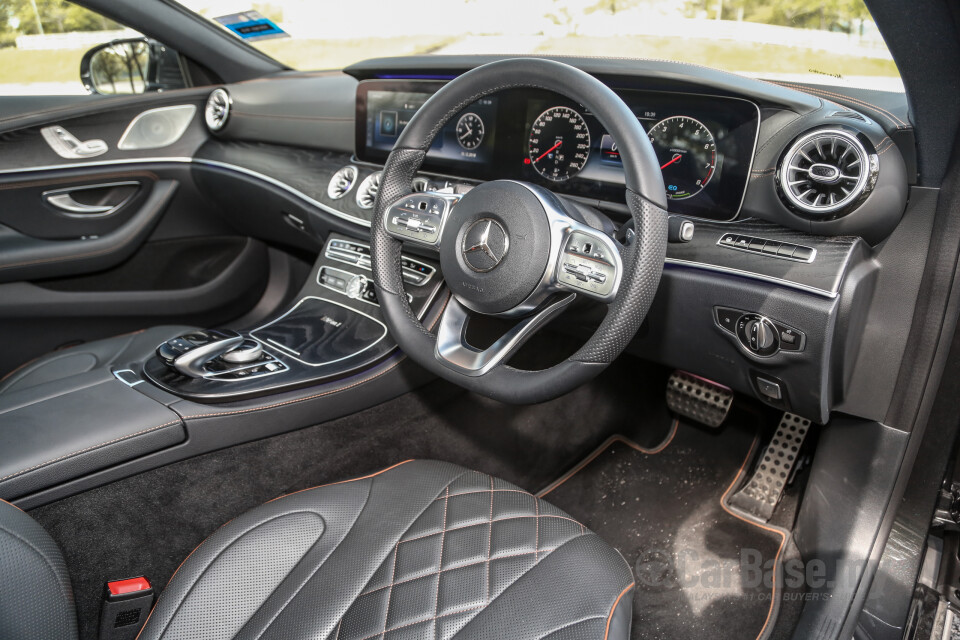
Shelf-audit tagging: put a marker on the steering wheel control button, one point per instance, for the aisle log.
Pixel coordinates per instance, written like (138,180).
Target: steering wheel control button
(772,248)
(584,265)
(485,245)
(419,216)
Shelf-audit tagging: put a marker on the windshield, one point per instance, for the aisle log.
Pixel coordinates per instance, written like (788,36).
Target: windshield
(824,42)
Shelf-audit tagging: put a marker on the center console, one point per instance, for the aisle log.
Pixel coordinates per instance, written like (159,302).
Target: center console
(332,330)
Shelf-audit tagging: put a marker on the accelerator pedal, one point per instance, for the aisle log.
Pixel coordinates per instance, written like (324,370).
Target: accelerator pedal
(698,398)
(762,492)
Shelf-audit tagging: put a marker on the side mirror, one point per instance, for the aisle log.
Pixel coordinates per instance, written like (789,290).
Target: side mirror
(136,65)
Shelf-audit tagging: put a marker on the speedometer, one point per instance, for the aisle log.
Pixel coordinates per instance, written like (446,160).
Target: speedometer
(688,155)
(559,143)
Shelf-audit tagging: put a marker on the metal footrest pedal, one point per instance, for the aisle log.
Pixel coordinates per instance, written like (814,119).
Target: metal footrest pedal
(698,399)
(759,497)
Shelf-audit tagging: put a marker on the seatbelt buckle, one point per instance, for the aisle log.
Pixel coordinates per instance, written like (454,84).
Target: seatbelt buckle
(126,605)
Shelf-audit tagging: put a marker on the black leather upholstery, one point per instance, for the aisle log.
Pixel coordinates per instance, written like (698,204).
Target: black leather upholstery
(36,600)
(424,549)
(118,350)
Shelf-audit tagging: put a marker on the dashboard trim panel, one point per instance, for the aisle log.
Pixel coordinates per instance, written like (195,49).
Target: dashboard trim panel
(365,223)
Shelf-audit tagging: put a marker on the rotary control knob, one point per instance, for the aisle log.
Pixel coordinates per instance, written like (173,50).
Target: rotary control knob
(758,335)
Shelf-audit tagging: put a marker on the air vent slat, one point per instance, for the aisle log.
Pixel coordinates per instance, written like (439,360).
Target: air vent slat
(367,191)
(217,111)
(825,171)
(341,182)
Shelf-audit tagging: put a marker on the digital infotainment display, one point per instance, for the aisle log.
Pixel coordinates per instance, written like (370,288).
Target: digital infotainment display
(468,137)
(704,144)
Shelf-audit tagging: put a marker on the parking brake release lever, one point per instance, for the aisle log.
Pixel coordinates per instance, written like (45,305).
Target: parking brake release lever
(187,354)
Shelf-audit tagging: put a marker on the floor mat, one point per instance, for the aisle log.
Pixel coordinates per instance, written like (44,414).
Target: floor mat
(701,570)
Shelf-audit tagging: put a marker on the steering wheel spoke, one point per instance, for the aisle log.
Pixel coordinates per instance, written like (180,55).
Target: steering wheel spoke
(419,217)
(455,352)
(589,263)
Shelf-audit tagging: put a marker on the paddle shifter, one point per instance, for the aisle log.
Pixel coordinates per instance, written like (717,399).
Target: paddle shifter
(188,354)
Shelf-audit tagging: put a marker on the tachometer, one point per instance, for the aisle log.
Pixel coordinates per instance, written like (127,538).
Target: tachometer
(559,143)
(688,155)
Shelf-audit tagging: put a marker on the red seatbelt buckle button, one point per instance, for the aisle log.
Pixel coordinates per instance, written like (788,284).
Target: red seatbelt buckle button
(126,605)
(130,585)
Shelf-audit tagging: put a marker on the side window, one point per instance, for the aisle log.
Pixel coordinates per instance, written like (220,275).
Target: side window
(54,47)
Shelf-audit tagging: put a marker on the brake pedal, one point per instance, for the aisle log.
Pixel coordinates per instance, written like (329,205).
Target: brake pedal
(759,497)
(698,399)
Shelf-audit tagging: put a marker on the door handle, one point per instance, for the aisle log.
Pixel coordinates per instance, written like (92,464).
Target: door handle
(63,200)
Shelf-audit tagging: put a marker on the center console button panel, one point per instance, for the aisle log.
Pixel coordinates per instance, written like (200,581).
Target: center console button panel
(358,254)
(757,334)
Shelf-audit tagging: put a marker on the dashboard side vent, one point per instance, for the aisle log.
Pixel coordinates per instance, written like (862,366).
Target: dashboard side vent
(367,191)
(217,111)
(341,182)
(826,171)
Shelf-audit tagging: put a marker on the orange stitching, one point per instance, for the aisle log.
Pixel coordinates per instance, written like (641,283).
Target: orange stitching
(443,537)
(330,484)
(823,92)
(614,608)
(460,566)
(486,597)
(470,493)
(410,624)
(783,536)
(603,447)
(90,448)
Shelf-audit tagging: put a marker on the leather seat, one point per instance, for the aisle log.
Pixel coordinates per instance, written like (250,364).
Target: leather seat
(421,550)
(65,363)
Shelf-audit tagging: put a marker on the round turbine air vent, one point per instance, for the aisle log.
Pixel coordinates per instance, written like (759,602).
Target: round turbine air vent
(217,110)
(367,191)
(341,182)
(420,184)
(827,171)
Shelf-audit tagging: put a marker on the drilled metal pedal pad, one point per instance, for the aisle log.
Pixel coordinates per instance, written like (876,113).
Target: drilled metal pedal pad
(698,399)
(762,492)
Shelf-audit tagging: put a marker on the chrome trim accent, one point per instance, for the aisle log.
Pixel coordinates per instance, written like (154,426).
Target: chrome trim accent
(322,364)
(189,111)
(116,374)
(191,363)
(868,165)
(340,185)
(66,145)
(755,276)
(482,244)
(203,162)
(216,121)
(561,227)
(281,185)
(453,351)
(63,200)
(334,253)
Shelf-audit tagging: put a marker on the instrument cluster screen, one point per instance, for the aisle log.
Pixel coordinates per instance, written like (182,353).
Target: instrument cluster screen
(468,137)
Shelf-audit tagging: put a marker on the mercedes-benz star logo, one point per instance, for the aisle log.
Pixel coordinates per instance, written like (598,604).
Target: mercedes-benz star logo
(485,245)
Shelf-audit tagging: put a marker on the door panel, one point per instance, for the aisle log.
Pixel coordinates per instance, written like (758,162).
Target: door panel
(95,246)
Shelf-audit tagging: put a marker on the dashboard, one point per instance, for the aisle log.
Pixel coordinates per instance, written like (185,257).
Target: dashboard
(705,144)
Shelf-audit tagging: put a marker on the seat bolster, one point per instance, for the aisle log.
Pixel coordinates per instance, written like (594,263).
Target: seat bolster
(36,600)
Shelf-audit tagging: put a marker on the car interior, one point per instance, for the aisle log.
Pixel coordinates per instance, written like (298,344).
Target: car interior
(478,344)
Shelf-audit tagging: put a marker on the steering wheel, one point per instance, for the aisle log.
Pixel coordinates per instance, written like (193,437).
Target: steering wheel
(514,249)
